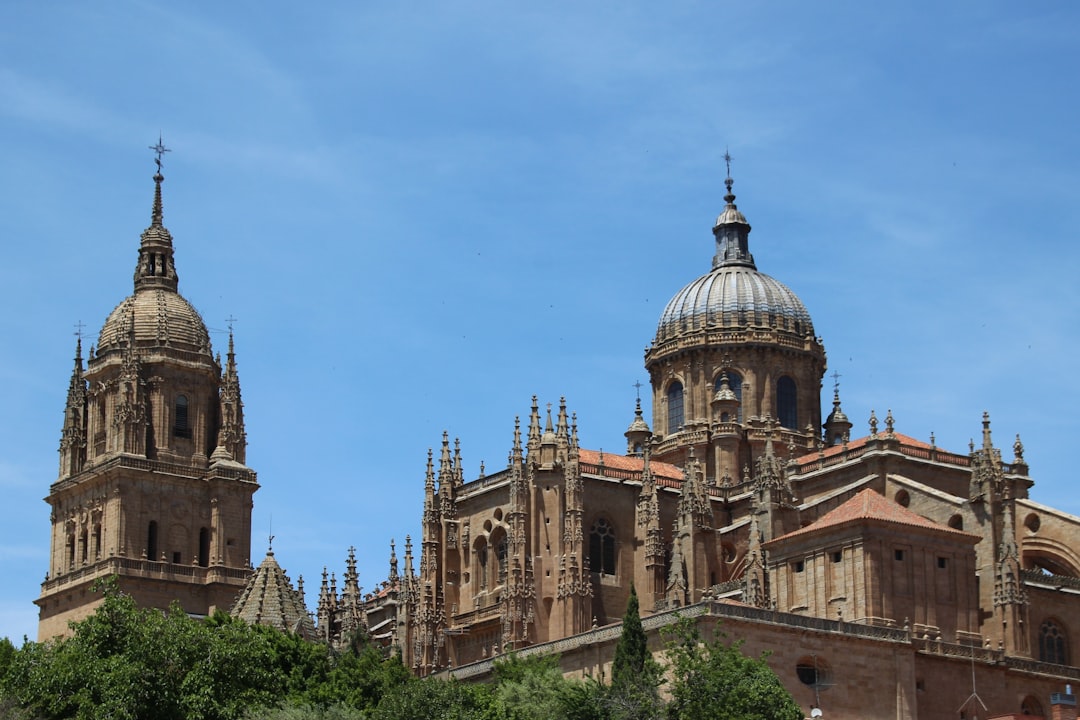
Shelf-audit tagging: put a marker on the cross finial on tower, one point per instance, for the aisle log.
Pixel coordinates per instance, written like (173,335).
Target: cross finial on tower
(230,320)
(160,150)
(728,182)
(637,388)
(78,329)
(836,381)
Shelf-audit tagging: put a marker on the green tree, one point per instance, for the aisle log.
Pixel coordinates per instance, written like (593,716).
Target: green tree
(635,676)
(534,688)
(126,662)
(715,681)
(433,699)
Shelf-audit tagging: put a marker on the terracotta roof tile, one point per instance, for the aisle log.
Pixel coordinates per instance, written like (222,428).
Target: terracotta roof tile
(630,464)
(869,505)
(860,442)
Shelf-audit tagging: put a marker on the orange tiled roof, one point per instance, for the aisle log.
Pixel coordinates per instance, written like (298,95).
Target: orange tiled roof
(869,505)
(860,442)
(629,463)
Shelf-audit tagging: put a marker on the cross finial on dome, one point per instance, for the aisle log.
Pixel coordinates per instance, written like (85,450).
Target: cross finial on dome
(728,182)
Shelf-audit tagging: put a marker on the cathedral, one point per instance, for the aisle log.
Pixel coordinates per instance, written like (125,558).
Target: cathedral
(887,577)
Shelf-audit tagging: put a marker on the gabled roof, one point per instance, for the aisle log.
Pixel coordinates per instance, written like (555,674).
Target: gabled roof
(869,506)
(270,599)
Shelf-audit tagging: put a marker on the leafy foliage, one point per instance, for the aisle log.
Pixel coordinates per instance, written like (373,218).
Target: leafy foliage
(128,663)
(715,681)
(131,662)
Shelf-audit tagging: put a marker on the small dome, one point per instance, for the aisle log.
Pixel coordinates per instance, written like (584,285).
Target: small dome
(161,318)
(734,297)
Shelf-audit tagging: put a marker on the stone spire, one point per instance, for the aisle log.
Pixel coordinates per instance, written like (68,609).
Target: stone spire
(755,584)
(351,610)
(574,588)
(156,268)
(232,436)
(393,577)
(269,598)
(73,434)
(447,481)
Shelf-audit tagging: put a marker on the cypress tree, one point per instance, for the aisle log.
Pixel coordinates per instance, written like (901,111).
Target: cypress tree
(631,654)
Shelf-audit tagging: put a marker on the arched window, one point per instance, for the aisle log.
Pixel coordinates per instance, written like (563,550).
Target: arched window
(786,404)
(1053,643)
(675,418)
(1031,706)
(602,547)
(151,541)
(734,381)
(482,564)
(204,547)
(500,552)
(181,425)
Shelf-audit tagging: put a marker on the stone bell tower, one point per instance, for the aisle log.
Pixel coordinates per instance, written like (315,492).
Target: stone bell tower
(153,487)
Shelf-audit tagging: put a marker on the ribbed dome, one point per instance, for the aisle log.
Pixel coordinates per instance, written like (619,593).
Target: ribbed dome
(734,297)
(161,318)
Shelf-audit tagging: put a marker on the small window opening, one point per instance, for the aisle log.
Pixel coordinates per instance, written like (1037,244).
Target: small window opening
(204,547)
(176,557)
(181,425)
(943,562)
(837,556)
(799,566)
(151,541)
(898,554)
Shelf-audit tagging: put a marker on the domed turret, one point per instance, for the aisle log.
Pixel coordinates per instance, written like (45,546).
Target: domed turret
(739,332)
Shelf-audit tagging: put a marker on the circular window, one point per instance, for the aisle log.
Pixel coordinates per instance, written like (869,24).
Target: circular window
(956,522)
(1032,523)
(498,513)
(813,672)
(902,498)
(728,551)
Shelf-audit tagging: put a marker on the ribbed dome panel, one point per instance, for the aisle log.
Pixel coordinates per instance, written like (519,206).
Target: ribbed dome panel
(161,317)
(734,297)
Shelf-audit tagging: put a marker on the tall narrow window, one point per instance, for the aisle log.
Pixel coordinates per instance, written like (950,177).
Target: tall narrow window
(786,404)
(151,541)
(97,541)
(482,563)
(675,419)
(602,547)
(204,547)
(181,426)
(1053,644)
(500,551)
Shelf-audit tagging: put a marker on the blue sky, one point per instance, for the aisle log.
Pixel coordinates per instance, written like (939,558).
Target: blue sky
(421,214)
